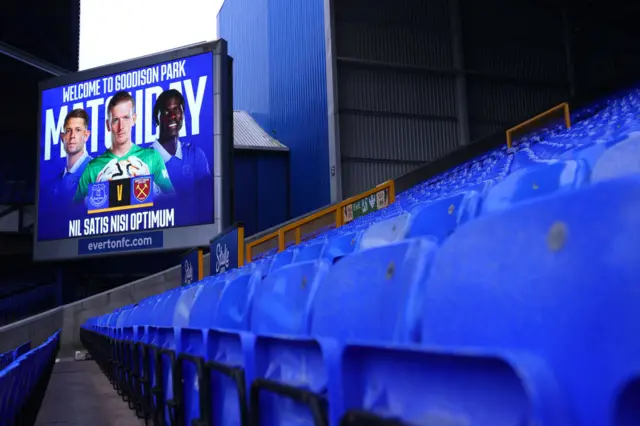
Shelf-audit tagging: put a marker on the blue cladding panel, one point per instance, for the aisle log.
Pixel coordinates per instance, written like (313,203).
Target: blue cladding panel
(261,189)
(299,97)
(279,78)
(245,202)
(243,23)
(272,189)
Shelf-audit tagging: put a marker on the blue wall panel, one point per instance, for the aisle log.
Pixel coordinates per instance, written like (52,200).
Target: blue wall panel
(261,179)
(299,97)
(279,78)
(244,24)
(245,193)
(272,194)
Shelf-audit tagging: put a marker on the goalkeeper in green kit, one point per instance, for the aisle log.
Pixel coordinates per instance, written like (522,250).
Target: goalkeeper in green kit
(124,159)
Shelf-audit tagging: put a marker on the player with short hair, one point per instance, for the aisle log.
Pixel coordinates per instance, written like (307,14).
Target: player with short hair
(124,159)
(74,137)
(186,163)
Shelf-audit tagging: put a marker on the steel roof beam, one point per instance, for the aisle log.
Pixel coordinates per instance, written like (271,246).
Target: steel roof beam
(31,60)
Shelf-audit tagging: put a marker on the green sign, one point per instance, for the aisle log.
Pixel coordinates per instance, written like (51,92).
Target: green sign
(366,205)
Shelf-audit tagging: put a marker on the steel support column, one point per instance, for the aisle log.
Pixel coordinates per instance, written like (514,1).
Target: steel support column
(462,109)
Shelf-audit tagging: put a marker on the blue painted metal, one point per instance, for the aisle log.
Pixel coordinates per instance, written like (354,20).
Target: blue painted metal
(280,79)
(245,200)
(261,179)
(272,180)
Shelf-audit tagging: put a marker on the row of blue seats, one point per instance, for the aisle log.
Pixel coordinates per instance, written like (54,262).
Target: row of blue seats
(24,380)
(10,356)
(22,305)
(527,315)
(487,187)
(439,218)
(603,122)
(577,149)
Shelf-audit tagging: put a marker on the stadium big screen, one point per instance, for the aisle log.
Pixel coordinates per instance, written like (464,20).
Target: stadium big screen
(130,158)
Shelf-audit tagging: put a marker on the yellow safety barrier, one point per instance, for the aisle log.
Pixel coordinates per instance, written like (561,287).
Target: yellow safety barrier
(332,217)
(240,245)
(267,242)
(563,107)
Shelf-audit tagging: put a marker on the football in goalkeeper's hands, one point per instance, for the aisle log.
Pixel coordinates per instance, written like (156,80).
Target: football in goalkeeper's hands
(123,169)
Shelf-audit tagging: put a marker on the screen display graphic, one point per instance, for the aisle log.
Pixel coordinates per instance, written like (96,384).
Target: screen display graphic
(128,152)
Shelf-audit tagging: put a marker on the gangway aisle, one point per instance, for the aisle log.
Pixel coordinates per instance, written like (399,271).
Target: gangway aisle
(79,394)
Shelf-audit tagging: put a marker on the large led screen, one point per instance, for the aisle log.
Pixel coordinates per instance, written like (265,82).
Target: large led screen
(126,154)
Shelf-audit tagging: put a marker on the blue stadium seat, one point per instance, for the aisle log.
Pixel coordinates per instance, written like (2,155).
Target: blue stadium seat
(527,184)
(282,301)
(441,218)
(516,323)
(310,251)
(340,245)
(365,295)
(538,278)
(371,295)
(283,258)
(589,153)
(282,307)
(210,350)
(385,232)
(24,380)
(619,160)
(445,385)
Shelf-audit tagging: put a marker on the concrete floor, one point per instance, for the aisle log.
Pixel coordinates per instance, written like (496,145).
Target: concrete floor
(79,394)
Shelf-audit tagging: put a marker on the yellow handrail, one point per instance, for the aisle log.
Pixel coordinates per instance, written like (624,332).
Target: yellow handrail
(252,244)
(342,213)
(567,120)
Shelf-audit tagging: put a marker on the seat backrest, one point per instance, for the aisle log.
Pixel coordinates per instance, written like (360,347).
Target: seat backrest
(310,251)
(440,218)
(163,311)
(283,258)
(282,302)
(619,160)
(205,303)
(339,245)
(589,153)
(236,298)
(534,182)
(557,278)
(22,349)
(374,295)
(184,305)
(385,232)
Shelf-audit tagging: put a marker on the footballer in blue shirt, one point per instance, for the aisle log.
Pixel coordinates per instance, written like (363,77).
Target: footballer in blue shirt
(74,138)
(186,163)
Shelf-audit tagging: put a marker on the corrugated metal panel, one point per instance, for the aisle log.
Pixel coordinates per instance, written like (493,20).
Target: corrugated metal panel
(396,138)
(247,134)
(516,54)
(502,104)
(396,92)
(279,78)
(360,176)
(391,115)
(392,105)
(402,32)
(517,39)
